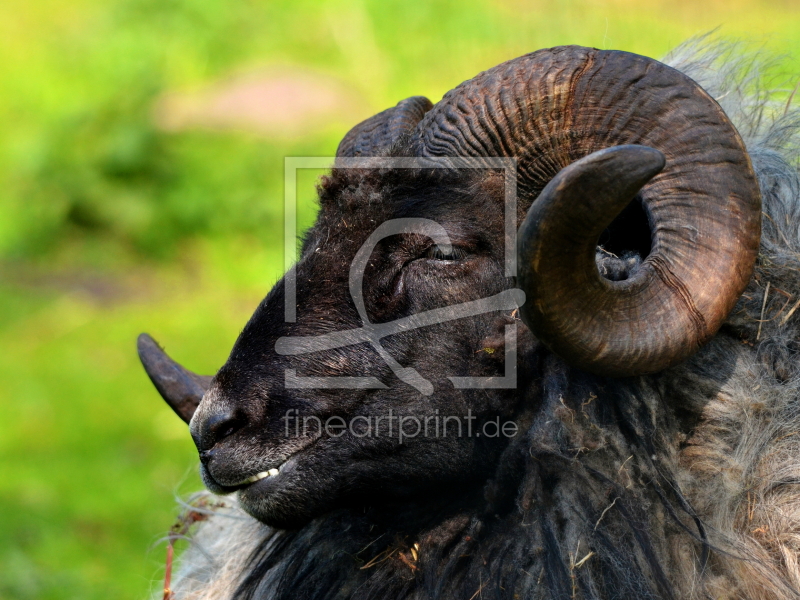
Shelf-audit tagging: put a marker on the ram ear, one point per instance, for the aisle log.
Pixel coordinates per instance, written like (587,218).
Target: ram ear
(181,388)
(375,135)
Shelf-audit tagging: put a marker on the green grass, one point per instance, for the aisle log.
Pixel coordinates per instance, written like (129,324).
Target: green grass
(110,227)
(92,457)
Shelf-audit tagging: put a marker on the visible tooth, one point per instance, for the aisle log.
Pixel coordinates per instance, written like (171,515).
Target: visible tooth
(257,477)
(260,476)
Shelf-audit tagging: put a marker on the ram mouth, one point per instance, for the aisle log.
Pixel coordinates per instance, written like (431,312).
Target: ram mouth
(274,472)
(248,481)
(269,473)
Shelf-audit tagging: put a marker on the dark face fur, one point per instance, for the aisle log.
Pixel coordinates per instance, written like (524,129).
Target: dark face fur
(250,422)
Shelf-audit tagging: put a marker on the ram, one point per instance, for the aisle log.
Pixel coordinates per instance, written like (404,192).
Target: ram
(538,344)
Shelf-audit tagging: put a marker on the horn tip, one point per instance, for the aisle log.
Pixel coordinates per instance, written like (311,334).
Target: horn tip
(145,340)
(640,162)
(147,348)
(180,388)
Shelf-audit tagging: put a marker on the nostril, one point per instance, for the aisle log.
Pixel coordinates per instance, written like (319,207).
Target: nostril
(205,456)
(217,427)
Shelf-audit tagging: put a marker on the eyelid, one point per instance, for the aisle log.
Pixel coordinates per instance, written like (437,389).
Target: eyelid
(436,253)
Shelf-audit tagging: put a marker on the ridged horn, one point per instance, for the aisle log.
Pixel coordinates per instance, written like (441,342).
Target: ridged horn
(376,134)
(179,387)
(554,107)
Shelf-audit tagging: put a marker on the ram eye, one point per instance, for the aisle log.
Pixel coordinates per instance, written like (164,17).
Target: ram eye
(437,253)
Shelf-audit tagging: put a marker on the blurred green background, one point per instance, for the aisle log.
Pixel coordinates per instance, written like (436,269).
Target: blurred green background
(141,189)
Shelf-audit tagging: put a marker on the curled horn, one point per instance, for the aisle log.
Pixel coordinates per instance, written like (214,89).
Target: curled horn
(181,388)
(555,107)
(379,132)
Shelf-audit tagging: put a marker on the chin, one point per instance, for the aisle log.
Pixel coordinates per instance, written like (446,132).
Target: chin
(278,510)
